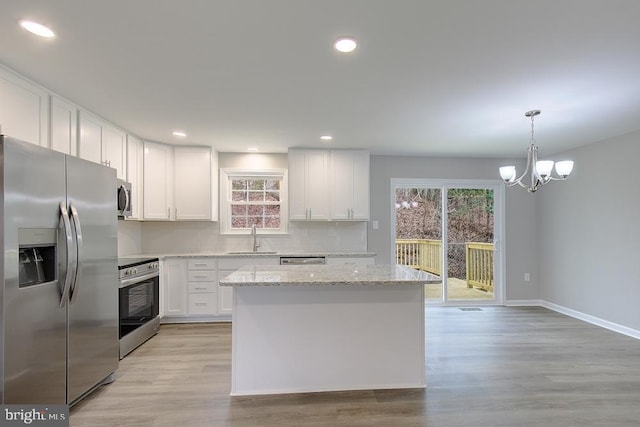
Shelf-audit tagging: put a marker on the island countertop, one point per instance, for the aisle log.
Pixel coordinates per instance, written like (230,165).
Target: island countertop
(306,275)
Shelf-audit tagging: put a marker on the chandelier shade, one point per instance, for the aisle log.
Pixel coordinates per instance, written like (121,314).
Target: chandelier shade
(537,172)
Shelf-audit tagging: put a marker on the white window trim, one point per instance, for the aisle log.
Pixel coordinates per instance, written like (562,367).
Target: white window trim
(226,174)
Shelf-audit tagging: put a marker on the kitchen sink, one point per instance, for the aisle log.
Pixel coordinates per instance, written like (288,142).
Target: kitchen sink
(251,252)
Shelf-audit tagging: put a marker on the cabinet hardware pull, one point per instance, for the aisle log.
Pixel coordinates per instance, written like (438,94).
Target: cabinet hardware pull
(201,303)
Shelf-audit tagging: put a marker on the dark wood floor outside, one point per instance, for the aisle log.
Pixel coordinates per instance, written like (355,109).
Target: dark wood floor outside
(500,366)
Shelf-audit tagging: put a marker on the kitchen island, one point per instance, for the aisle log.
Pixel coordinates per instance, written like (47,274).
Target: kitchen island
(326,327)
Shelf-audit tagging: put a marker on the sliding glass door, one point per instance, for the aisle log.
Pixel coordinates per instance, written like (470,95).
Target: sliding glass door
(451,229)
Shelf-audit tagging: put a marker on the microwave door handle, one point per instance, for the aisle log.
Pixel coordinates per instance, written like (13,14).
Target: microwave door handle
(79,243)
(64,215)
(125,207)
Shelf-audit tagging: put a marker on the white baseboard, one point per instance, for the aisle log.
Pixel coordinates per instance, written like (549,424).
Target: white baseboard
(575,314)
(523,303)
(592,319)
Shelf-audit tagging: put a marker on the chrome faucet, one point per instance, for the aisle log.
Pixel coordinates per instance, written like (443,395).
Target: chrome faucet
(254,234)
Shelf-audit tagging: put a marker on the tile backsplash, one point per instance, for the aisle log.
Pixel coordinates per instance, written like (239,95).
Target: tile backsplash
(195,237)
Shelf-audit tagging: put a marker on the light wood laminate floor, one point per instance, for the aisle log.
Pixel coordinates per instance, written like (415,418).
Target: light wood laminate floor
(501,366)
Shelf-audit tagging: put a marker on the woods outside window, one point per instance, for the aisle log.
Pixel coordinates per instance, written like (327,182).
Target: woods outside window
(253,197)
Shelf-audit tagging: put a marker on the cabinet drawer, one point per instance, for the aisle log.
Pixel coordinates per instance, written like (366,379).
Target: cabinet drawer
(201,276)
(195,287)
(202,304)
(201,264)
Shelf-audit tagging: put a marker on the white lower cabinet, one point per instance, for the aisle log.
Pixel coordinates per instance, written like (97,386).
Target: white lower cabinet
(175,287)
(227,266)
(201,286)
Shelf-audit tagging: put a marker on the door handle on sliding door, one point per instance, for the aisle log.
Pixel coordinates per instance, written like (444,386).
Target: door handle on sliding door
(78,272)
(69,275)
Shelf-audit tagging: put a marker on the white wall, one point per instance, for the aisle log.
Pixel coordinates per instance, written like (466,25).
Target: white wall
(589,233)
(129,237)
(520,233)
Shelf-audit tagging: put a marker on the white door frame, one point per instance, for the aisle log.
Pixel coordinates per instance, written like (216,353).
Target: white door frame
(499,226)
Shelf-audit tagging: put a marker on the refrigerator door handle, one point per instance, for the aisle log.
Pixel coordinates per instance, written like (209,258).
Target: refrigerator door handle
(76,224)
(64,215)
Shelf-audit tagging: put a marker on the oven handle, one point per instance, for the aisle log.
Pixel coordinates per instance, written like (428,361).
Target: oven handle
(132,281)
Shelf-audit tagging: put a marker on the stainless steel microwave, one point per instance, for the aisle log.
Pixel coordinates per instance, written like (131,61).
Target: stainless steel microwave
(124,199)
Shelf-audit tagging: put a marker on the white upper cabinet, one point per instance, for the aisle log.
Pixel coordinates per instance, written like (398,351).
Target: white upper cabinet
(102,143)
(158,181)
(349,174)
(308,184)
(134,174)
(193,183)
(91,135)
(23,109)
(63,117)
(114,150)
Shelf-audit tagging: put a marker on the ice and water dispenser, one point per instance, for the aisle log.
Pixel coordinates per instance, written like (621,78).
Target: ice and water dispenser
(37,256)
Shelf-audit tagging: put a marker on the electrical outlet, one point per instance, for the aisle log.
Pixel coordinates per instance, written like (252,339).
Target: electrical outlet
(527,277)
(375,225)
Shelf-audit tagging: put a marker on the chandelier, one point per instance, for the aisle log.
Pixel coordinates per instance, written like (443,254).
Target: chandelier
(539,171)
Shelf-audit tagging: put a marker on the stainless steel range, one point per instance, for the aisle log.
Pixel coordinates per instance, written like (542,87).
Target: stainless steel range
(139,305)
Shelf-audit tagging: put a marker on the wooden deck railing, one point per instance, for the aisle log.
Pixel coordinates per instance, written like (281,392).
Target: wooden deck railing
(479,260)
(426,255)
(421,254)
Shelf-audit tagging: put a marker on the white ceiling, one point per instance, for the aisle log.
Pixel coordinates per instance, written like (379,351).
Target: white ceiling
(442,78)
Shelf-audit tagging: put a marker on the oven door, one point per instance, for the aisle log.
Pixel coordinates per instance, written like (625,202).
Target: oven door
(139,303)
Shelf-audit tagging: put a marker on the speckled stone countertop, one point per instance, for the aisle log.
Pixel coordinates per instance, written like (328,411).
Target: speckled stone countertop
(377,274)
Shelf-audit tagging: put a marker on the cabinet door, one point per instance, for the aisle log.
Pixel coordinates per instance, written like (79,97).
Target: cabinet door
(175,287)
(360,204)
(157,181)
(227,266)
(225,296)
(64,123)
(192,183)
(134,175)
(115,150)
(23,109)
(90,140)
(297,185)
(317,166)
(341,185)
(349,185)
(308,185)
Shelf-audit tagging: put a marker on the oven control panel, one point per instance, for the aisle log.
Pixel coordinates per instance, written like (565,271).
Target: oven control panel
(138,268)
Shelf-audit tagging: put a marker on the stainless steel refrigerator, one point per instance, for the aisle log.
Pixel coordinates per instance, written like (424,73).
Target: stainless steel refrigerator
(59,302)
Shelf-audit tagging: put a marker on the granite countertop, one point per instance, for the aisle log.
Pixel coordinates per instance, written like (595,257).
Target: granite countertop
(377,274)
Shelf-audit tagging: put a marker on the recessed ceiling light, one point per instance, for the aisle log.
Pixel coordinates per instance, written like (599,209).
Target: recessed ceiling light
(326,137)
(37,29)
(179,133)
(253,149)
(345,44)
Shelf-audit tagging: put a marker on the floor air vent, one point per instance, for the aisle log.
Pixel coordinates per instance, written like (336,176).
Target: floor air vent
(470,309)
